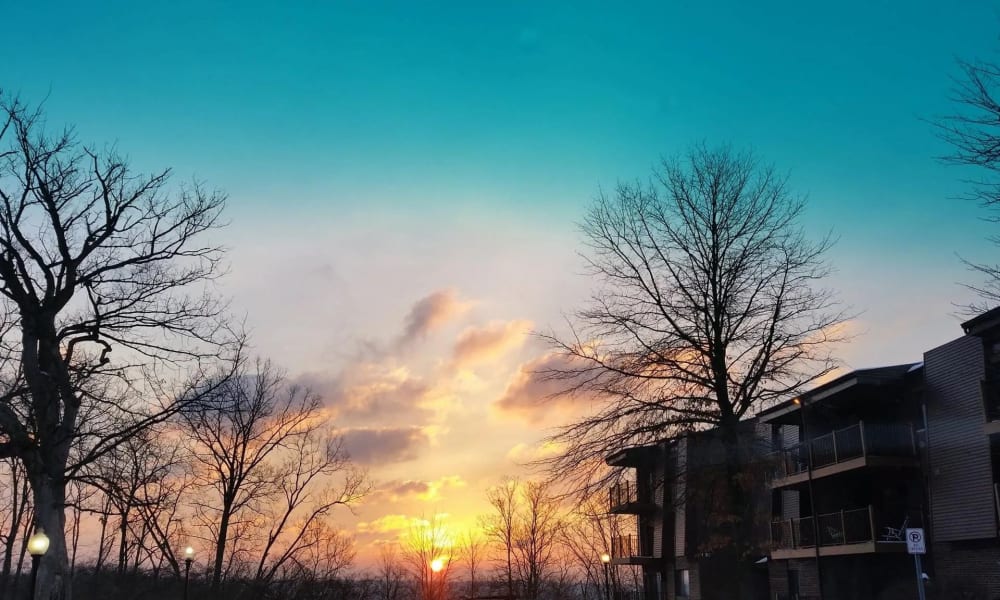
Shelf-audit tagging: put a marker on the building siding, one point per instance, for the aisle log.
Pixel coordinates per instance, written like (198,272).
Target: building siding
(960,471)
(657,480)
(680,487)
(789,498)
(967,569)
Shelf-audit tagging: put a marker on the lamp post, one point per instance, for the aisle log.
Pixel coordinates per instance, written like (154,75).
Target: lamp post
(812,496)
(188,558)
(606,559)
(38,545)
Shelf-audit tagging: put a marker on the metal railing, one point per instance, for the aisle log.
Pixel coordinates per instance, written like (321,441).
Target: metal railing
(854,441)
(628,546)
(853,526)
(622,494)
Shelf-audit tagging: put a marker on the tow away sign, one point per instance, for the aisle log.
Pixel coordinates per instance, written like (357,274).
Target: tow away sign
(915,541)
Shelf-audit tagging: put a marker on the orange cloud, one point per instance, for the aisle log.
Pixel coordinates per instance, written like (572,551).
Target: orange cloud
(387,523)
(533,396)
(489,342)
(526,453)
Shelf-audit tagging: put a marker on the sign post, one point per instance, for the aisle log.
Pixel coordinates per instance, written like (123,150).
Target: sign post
(916,546)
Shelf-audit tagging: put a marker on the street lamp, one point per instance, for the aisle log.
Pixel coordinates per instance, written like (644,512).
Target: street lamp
(606,559)
(38,544)
(807,443)
(188,558)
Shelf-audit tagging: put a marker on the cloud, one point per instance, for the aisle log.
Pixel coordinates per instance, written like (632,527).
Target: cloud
(408,488)
(534,398)
(489,342)
(527,453)
(384,445)
(387,523)
(430,312)
(366,392)
(435,489)
(424,491)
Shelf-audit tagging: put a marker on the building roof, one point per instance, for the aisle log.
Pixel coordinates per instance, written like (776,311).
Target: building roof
(630,457)
(873,377)
(981,323)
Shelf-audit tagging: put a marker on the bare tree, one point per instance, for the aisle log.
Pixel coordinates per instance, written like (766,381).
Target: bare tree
(586,536)
(707,311)
(266,460)
(427,550)
(471,548)
(103,269)
(974,133)
(391,574)
(538,532)
(500,525)
(15,496)
(526,527)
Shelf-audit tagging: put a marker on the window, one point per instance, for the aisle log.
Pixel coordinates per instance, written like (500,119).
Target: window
(682,583)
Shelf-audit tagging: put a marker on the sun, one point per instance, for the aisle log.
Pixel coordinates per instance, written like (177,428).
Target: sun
(437,564)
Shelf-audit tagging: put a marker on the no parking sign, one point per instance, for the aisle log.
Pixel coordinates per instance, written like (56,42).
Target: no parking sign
(915,541)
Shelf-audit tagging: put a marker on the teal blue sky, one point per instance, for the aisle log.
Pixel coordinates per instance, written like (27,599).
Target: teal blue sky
(470,116)
(383,157)
(330,104)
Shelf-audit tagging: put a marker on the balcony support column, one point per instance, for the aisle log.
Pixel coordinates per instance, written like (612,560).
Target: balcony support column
(864,444)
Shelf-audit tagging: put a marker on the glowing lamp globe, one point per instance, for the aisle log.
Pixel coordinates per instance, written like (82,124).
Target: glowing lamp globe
(38,543)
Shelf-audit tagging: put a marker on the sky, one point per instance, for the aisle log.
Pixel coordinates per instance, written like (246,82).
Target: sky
(405,179)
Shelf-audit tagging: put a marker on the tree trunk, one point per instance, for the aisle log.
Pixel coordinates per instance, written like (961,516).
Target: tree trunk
(220,546)
(19,495)
(739,511)
(53,569)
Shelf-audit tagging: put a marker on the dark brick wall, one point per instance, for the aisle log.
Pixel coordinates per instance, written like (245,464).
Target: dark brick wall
(808,580)
(971,568)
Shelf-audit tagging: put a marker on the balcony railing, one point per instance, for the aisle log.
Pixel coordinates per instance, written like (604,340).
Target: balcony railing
(622,494)
(625,498)
(840,528)
(855,441)
(628,546)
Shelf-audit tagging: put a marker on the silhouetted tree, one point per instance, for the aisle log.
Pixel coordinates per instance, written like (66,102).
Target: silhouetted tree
(269,468)
(392,576)
(15,514)
(471,548)
(707,311)
(427,549)
(526,526)
(101,273)
(974,133)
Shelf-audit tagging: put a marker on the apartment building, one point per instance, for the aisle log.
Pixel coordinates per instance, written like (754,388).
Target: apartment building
(847,481)
(672,507)
(844,469)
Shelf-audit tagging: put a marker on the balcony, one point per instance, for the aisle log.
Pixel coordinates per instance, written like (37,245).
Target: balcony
(856,531)
(624,499)
(990,388)
(627,550)
(853,447)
